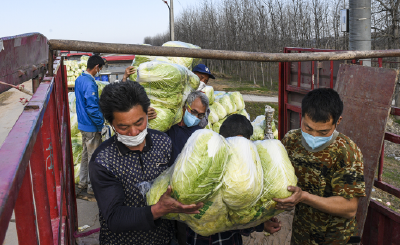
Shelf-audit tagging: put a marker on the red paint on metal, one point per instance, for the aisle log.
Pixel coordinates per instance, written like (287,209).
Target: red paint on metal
(395,111)
(380,62)
(387,188)
(119,58)
(79,54)
(55,225)
(25,218)
(20,142)
(280,96)
(19,54)
(293,108)
(297,89)
(38,167)
(392,137)
(49,161)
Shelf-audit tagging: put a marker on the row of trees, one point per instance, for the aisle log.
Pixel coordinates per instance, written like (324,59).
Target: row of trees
(271,25)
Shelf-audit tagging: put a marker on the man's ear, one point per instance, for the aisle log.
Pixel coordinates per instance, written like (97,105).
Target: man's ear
(339,120)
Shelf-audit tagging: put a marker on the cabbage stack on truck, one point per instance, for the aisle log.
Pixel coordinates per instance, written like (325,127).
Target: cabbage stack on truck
(36,159)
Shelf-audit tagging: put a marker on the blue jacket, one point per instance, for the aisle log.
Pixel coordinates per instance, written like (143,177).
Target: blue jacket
(90,118)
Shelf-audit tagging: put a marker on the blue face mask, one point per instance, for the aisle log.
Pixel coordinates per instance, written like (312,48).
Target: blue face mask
(315,142)
(190,120)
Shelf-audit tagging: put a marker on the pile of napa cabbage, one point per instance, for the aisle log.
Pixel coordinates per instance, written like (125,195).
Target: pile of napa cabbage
(235,178)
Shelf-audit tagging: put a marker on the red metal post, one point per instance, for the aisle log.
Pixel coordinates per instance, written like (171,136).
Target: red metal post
(280,104)
(49,161)
(38,166)
(25,213)
(380,62)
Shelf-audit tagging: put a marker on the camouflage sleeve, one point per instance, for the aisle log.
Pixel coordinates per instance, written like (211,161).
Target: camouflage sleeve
(348,180)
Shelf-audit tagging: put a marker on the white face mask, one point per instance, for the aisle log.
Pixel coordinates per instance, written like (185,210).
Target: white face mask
(132,140)
(98,72)
(201,86)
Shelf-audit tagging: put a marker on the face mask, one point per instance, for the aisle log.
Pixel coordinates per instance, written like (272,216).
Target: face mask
(190,120)
(132,140)
(201,86)
(98,72)
(315,142)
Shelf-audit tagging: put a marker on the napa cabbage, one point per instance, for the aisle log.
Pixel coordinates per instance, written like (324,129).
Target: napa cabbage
(199,168)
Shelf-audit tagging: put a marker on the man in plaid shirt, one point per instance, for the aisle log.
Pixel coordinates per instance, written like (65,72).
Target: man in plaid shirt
(234,125)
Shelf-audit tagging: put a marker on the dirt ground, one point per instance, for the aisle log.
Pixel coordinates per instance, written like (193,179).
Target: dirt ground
(281,237)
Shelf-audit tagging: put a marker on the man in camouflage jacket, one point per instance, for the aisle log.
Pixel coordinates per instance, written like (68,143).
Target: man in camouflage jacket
(329,167)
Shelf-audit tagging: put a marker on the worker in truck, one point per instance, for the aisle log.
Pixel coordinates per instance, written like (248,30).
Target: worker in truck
(234,125)
(329,167)
(135,154)
(204,74)
(90,118)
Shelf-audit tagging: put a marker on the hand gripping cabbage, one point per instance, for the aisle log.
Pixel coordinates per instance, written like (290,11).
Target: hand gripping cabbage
(209,91)
(184,61)
(243,179)
(237,98)
(199,168)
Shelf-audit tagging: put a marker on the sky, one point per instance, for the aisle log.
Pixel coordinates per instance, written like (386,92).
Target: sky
(115,21)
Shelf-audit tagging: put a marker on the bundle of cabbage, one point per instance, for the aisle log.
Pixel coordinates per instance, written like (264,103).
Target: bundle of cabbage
(219,110)
(251,175)
(209,91)
(184,61)
(164,82)
(77,155)
(226,102)
(167,86)
(243,180)
(199,168)
(278,174)
(237,98)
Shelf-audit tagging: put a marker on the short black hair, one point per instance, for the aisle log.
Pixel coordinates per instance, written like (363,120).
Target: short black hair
(321,105)
(235,125)
(121,97)
(95,60)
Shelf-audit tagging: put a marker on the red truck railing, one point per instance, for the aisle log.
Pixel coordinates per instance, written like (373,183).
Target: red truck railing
(382,225)
(36,155)
(39,144)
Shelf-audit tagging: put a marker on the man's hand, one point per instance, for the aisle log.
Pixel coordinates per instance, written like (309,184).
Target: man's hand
(128,71)
(151,113)
(290,202)
(273,225)
(167,205)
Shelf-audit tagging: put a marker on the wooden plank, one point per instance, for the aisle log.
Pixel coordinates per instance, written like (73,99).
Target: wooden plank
(366,110)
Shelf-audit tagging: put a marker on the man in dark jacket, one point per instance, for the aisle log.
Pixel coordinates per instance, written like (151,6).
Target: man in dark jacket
(134,155)
(90,118)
